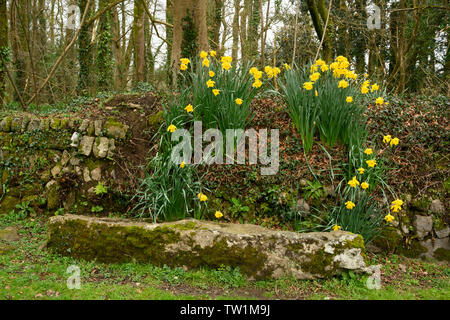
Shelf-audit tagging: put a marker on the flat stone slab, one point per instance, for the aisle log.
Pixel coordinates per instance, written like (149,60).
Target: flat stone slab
(260,253)
(9,234)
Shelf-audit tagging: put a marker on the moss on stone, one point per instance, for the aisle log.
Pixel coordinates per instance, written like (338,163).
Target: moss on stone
(132,243)
(413,250)
(389,239)
(8,203)
(115,129)
(55,123)
(155,120)
(442,254)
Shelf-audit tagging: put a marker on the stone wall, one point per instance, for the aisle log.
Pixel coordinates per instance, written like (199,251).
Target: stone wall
(57,162)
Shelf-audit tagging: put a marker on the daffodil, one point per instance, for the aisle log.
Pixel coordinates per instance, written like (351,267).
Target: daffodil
(308,85)
(226,59)
(215,91)
(394,142)
(287,67)
(314,77)
(212,53)
(257,84)
(205,63)
(364,89)
(171,128)
(210,83)
(361,170)
(203,54)
(375,87)
(238,101)
(324,68)
(211,73)
(185,61)
(226,66)
(218,214)
(182,165)
(379,101)
(320,62)
(389,218)
(349,99)
(349,205)
(258,74)
(253,70)
(368,151)
(371,163)
(276,71)
(202,197)
(396,205)
(189,108)
(387,138)
(354,182)
(316,93)
(336,227)
(183,67)
(343,84)
(364,185)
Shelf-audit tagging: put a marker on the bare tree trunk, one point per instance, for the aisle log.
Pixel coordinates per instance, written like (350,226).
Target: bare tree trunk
(180,10)
(234,50)
(3,46)
(243,31)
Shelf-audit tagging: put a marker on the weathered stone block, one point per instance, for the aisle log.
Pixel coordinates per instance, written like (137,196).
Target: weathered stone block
(115,129)
(100,148)
(86,145)
(258,252)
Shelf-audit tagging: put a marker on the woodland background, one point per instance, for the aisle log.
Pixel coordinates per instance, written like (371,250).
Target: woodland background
(117,44)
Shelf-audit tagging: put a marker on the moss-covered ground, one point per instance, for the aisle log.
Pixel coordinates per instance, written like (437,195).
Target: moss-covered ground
(29,271)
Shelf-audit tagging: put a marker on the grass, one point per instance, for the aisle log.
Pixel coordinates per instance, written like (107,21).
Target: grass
(30,272)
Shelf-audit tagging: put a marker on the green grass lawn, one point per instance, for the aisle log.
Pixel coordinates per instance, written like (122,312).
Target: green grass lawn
(28,271)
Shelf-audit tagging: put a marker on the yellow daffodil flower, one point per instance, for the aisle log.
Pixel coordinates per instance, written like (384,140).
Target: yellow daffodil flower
(361,170)
(343,84)
(364,185)
(182,165)
(185,61)
(349,205)
(379,101)
(371,163)
(368,151)
(171,128)
(203,54)
(349,99)
(336,227)
(308,85)
(314,77)
(394,142)
(375,87)
(189,108)
(215,91)
(218,214)
(238,101)
(211,73)
(210,83)
(389,218)
(387,138)
(354,182)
